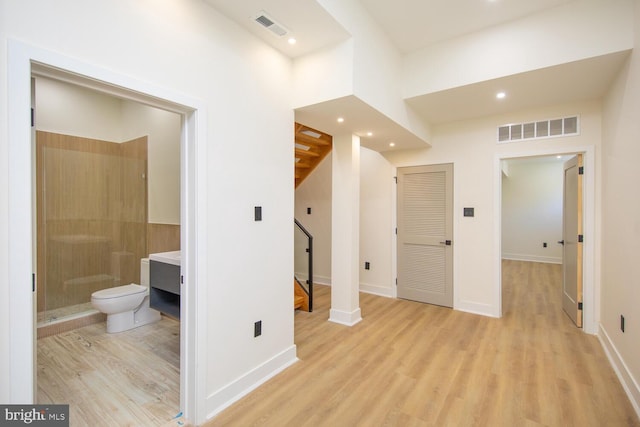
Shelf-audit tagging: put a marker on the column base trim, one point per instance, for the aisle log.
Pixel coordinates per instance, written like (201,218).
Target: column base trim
(344,317)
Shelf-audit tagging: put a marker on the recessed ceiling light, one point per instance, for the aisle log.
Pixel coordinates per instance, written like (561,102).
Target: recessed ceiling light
(369,133)
(558,157)
(501,95)
(292,41)
(340,120)
(392,144)
(311,133)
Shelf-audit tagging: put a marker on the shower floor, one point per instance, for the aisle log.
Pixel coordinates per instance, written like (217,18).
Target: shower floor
(64,313)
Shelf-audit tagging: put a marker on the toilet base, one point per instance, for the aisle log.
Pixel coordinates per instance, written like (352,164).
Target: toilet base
(121,322)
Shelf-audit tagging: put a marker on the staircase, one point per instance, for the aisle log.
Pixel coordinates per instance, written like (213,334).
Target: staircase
(303,268)
(311,147)
(300,297)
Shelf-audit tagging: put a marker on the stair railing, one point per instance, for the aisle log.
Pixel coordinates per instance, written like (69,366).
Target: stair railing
(303,260)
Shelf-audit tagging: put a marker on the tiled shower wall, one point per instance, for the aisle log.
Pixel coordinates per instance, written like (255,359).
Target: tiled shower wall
(91,216)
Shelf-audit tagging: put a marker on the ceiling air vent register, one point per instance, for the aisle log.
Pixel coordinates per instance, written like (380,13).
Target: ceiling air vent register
(270,24)
(551,128)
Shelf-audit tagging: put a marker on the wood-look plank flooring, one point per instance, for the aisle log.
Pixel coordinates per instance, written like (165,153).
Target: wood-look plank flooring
(412,364)
(131,378)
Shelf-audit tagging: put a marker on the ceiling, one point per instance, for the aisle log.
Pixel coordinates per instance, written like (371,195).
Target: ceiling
(359,119)
(412,25)
(294,15)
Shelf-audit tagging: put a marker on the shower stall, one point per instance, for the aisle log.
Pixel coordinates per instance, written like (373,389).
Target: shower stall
(91,199)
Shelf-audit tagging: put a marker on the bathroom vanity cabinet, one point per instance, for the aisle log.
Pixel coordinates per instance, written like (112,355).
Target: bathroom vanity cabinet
(164,282)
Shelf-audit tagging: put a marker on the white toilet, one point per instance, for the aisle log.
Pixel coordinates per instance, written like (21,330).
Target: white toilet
(127,306)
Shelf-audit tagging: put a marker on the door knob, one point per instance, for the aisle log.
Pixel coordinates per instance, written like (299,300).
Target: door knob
(561,242)
(446,242)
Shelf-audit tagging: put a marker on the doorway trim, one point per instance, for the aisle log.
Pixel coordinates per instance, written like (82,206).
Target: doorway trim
(591,296)
(22,60)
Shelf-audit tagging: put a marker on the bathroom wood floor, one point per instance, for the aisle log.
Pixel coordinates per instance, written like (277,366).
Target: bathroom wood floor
(127,379)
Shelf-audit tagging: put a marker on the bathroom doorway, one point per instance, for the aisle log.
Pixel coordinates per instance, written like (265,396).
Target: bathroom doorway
(25,62)
(99,160)
(107,194)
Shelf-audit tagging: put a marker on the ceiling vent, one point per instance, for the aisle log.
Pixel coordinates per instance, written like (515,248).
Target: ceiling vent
(551,128)
(270,24)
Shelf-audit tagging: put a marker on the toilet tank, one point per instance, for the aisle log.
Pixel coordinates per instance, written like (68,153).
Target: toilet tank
(144,272)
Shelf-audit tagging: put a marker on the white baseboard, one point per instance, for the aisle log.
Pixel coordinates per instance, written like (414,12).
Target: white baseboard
(532,258)
(369,289)
(629,384)
(378,290)
(221,399)
(322,280)
(476,308)
(344,317)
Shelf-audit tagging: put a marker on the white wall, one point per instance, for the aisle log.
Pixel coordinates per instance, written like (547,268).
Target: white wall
(377,213)
(315,193)
(186,48)
(532,210)
(472,148)
(163,157)
(377,204)
(621,222)
(323,75)
(375,64)
(73,110)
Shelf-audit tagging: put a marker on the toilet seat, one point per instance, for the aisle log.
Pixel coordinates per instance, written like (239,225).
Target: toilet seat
(119,291)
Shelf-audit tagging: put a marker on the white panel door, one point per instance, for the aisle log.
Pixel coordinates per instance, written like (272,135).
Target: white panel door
(425,230)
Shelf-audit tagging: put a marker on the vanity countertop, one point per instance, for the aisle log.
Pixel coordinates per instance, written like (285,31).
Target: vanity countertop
(172,257)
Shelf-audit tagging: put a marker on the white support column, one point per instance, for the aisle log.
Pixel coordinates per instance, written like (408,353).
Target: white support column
(345,230)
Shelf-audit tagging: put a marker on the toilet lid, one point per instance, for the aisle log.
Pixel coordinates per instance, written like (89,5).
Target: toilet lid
(119,291)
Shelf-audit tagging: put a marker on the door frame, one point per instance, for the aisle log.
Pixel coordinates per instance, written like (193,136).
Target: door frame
(591,285)
(22,60)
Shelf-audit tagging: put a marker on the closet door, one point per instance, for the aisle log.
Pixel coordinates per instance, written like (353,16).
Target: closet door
(425,231)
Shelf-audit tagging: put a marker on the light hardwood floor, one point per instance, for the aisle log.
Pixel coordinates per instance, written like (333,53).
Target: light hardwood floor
(412,364)
(127,379)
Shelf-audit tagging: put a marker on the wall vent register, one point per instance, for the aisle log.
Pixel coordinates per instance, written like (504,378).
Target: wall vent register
(551,128)
(270,24)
